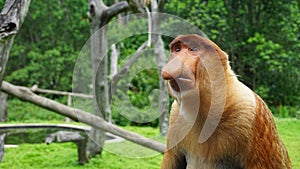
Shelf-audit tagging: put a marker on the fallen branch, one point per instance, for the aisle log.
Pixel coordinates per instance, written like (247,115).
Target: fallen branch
(35,89)
(75,137)
(26,94)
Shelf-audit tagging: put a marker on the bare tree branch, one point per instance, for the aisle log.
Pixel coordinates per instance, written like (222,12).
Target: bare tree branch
(138,5)
(113,61)
(26,94)
(161,4)
(149,26)
(112,11)
(126,67)
(35,89)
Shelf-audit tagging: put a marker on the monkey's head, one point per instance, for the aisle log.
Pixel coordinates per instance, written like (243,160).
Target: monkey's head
(194,61)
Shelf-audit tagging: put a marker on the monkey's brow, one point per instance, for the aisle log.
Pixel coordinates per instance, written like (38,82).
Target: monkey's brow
(172,44)
(186,43)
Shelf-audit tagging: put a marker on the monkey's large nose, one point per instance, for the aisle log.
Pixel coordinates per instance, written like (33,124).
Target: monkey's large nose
(165,75)
(172,69)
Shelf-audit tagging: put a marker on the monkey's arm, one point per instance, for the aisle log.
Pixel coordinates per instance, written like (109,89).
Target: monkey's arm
(173,161)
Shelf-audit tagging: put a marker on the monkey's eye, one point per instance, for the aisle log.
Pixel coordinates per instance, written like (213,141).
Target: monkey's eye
(194,49)
(177,48)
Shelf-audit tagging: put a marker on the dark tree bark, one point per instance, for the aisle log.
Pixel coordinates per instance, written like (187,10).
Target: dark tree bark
(100,15)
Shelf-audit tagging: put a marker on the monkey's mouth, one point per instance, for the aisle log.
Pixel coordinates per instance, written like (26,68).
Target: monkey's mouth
(181,83)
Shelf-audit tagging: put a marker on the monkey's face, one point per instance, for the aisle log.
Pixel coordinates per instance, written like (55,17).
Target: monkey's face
(190,57)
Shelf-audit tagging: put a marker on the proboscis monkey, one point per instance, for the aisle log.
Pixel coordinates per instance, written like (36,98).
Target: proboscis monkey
(216,122)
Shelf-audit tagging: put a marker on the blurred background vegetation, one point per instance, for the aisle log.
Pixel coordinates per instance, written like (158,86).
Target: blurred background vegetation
(261,38)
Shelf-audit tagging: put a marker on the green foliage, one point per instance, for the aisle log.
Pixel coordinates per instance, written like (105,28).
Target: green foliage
(50,69)
(140,88)
(261,38)
(285,111)
(19,111)
(45,49)
(135,101)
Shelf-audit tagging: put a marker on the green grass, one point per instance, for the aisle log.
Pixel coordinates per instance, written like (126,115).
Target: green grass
(129,149)
(289,130)
(124,155)
(64,156)
(120,155)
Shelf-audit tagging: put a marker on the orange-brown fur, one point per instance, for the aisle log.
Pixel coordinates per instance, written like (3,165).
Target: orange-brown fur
(245,137)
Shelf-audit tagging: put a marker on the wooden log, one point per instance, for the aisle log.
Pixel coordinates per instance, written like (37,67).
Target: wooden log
(75,137)
(26,94)
(38,90)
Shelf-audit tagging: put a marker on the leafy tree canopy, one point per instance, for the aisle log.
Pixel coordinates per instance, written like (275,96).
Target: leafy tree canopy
(261,38)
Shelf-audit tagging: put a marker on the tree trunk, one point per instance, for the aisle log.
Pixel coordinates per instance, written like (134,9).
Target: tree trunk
(2,137)
(3,107)
(99,61)
(113,69)
(11,19)
(161,61)
(100,15)
(164,96)
(3,118)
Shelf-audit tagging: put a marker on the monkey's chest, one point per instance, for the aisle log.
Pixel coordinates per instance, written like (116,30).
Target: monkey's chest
(197,162)
(194,162)
(207,156)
